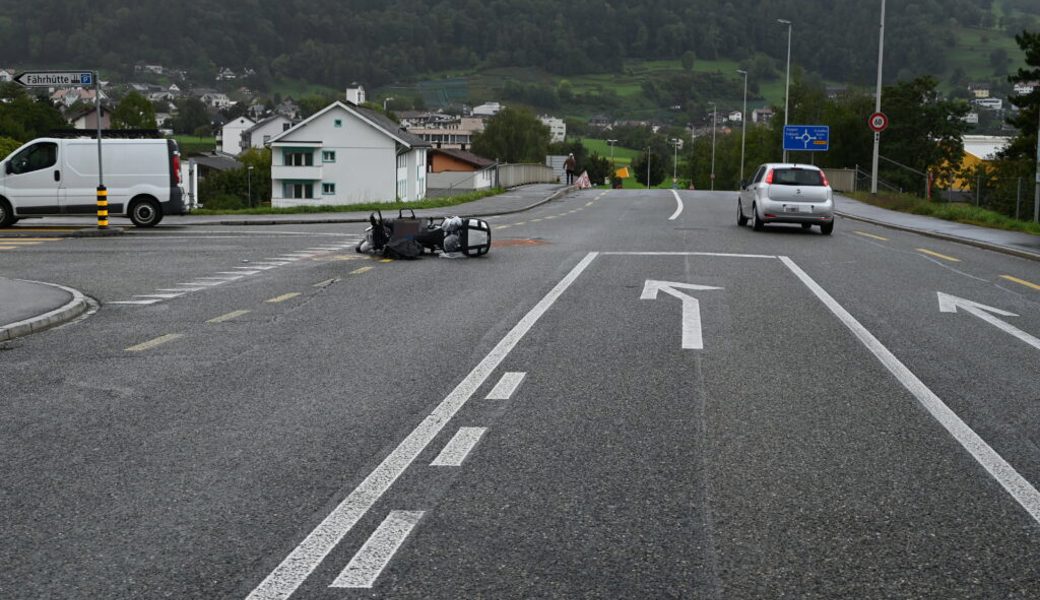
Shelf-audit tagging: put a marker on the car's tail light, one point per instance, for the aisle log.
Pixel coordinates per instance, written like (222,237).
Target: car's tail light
(823,178)
(177,168)
(769,176)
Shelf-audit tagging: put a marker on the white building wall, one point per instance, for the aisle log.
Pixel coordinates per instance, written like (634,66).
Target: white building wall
(231,135)
(269,130)
(365,168)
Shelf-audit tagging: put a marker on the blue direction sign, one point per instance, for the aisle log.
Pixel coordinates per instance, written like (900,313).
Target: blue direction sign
(55,78)
(807,138)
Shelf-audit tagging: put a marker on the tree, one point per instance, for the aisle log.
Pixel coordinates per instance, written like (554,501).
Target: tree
(191,115)
(7,146)
(23,117)
(134,111)
(657,166)
(687,59)
(514,135)
(1023,146)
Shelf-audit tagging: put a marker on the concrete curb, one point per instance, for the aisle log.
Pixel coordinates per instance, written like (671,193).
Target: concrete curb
(947,237)
(554,196)
(74,308)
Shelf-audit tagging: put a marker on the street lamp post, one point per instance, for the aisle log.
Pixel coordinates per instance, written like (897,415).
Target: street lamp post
(385,101)
(743,125)
(714,120)
(249,185)
(877,103)
(648,167)
(787,94)
(675,159)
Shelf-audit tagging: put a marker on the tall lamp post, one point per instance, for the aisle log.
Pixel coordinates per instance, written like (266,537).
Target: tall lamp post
(877,103)
(675,159)
(787,94)
(249,185)
(714,116)
(648,167)
(743,125)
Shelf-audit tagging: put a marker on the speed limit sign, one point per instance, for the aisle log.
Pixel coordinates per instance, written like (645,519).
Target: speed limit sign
(878,122)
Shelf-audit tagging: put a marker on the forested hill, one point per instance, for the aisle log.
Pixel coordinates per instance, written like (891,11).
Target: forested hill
(379,41)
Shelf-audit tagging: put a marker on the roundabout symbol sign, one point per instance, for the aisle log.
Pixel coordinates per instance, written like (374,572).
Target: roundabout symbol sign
(878,122)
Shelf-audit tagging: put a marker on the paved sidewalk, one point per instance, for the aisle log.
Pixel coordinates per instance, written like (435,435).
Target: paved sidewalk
(30,306)
(1024,245)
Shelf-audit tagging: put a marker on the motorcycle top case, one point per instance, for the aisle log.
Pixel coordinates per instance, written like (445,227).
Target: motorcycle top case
(475,237)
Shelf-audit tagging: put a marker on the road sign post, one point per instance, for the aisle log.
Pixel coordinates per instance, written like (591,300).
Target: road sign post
(49,79)
(807,138)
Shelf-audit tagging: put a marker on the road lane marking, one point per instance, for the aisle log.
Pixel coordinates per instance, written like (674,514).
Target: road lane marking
(937,255)
(536,220)
(678,211)
(387,260)
(1021,281)
(550,217)
(301,562)
(159,341)
(502,227)
(372,558)
(871,235)
(135,302)
(1016,485)
(231,315)
(8,247)
(714,254)
(456,451)
(361,270)
(506,386)
(180,289)
(208,284)
(282,298)
(160,296)
(520,223)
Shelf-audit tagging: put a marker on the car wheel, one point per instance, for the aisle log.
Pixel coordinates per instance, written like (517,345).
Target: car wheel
(827,228)
(756,221)
(7,217)
(741,219)
(145,213)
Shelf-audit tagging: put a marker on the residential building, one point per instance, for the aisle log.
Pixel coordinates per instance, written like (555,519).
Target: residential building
(447,131)
(6,75)
(762,115)
(979,90)
(216,100)
(346,154)
(356,94)
(600,122)
(260,134)
(971,118)
(289,108)
(735,117)
(978,149)
(87,119)
(488,109)
(459,170)
(990,103)
(1026,87)
(557,128)
(230,139)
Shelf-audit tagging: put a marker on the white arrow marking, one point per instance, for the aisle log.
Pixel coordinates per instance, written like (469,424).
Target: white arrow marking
(692,338)
(950,304)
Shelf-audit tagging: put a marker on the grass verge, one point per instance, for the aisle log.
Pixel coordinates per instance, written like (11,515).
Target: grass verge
(366,207)
(953,211)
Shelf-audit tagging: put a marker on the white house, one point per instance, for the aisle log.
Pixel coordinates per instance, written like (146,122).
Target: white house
(356,94)
(346,154)
(261,134)
(735,117)
(488,109)
(557,128)
(6,75)
(230,141)
(216,100)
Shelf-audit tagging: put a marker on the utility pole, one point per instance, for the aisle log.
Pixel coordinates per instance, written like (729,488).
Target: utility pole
(714,115)
(1036,199)
(877,102)
(787,94)
(647,167)
(743,126)
(675,159)
(613,170)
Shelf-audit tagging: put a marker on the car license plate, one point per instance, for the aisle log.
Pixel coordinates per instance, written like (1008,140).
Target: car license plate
(791,209)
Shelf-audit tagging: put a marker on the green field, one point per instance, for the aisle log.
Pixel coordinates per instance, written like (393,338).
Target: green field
(190,144)
(622,156)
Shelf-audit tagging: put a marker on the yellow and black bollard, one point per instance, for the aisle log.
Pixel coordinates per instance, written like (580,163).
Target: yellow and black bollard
(102,207)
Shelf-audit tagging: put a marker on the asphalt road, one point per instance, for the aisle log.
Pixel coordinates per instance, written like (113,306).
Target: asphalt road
(258,412)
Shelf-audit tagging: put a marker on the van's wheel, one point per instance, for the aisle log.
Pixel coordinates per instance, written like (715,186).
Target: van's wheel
(145,213)
(7,217)
(756,221)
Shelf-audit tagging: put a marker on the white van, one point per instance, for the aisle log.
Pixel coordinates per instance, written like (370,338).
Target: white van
(58,177)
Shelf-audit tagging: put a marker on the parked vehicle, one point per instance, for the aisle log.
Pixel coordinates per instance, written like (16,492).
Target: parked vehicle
(787,193)
(59,177)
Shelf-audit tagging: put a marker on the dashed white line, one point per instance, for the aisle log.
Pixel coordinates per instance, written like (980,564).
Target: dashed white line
(373,557)
(456,451)
(506,386)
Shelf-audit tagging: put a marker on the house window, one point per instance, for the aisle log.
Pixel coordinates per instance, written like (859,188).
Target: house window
(339,122)
(328,189)
(286,126)
(299,159)
(299,190)
(328,156)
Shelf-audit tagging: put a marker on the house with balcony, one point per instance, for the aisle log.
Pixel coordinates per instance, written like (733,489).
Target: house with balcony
(345,154)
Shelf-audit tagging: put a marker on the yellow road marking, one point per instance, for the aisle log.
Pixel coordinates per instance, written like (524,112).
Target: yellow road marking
(7,247)
(1028,284)
(283,298)
(231,315)
(937,255)
(326,283)
(169,337)
(386,260)
(871,235)
(361,270)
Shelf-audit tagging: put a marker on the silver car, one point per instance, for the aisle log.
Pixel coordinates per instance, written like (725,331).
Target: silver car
(787,193)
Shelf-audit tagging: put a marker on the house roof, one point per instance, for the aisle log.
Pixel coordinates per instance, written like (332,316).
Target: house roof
(79,114)
(466,157)
(217,162)
(985,147)
(263,122)
(373,118)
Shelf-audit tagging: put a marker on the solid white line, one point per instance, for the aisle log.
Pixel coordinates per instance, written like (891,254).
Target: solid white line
(181,289)
(459,447)
(678,211)
(715,254)
(248,271)
(372,558)
(224,278)
(298,565)
(1016,485)
(203,283)
(506,386)
(135,302)
(160,296)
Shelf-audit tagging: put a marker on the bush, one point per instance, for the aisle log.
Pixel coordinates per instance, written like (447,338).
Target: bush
(223,202)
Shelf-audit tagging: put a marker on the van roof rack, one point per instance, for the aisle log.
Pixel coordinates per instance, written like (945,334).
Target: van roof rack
(107,133)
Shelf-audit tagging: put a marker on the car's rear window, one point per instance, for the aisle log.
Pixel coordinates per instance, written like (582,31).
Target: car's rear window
(797,177)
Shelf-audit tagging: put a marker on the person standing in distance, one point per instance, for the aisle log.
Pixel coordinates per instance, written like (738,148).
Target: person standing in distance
(569,165)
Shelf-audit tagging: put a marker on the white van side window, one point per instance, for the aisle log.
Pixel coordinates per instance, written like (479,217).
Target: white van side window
(35,157)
